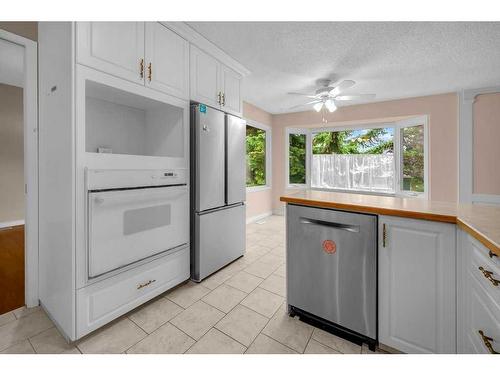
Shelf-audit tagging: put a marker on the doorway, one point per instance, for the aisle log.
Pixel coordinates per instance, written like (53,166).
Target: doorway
(18,173)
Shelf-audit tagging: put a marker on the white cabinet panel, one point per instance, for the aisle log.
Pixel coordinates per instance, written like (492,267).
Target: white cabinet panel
(478,298)
(231,89)
(168,55)
(204,77)
(106,300)
(116,48)
(417,285)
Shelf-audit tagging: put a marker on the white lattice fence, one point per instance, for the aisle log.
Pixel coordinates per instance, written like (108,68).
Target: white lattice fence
(353,172)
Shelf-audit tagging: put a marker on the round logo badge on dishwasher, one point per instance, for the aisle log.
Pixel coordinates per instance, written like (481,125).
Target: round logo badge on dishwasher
(329,246)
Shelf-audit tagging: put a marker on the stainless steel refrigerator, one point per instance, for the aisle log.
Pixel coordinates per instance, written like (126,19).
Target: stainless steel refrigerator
(218,190)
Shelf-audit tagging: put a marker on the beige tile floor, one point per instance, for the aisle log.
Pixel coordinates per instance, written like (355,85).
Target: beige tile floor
(240,309)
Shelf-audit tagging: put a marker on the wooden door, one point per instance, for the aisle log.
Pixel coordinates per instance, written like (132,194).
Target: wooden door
(417,285)
(11,268)
(168,55)
(116,48)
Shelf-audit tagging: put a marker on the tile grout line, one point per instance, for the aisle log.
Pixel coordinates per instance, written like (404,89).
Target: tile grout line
(239,304)
(213,326)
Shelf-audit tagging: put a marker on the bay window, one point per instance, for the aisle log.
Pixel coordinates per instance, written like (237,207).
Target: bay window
(388,158)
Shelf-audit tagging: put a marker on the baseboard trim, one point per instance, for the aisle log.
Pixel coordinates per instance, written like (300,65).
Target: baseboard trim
(255,218)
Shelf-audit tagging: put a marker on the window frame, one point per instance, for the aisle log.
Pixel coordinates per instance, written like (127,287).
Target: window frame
(307,133)
(397,127)
(268,130)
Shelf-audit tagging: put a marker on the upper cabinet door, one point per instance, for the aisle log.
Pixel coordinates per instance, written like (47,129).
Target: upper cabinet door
(416,289)
(204,78)
(116,48)
(167,56)
(231,89)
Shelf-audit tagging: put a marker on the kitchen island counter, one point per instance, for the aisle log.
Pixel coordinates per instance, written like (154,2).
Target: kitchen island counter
(480,221)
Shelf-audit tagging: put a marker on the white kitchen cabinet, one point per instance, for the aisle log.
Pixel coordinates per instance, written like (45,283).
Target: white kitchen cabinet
(116,48)
(213,83)
(204,78)
(417,285)
(478,294)
(167,61)
(231,90)
(146,53)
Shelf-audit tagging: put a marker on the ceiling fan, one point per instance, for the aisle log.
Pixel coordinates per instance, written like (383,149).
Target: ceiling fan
(327,95)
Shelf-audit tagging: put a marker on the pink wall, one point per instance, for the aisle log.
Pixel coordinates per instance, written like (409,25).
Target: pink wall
(486,150)
(442,111)
(259,202)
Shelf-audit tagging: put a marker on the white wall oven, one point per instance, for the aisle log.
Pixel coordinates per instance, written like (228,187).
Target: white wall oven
(133,215)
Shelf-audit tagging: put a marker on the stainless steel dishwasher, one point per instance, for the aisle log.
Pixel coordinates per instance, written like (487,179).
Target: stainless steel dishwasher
(332,271)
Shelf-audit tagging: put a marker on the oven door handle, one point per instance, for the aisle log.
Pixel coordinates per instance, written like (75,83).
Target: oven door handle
(330,224)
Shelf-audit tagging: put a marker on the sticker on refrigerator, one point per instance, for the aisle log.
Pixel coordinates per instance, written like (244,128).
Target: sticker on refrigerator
(203,108)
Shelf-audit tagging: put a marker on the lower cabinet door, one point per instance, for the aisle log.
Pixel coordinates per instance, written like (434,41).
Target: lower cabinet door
(417,274)
(478,314)
(100,303)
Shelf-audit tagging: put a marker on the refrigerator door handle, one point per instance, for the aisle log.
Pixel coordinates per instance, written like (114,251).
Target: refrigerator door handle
(347,227)
(206,212)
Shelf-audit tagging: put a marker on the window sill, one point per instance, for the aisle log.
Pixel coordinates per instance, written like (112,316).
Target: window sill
(297,187)
(253,189)
(380,194)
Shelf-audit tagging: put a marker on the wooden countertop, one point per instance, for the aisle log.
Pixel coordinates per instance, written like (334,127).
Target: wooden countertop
(480,221)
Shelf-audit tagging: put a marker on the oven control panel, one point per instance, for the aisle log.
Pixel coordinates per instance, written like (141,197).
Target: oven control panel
(99,179)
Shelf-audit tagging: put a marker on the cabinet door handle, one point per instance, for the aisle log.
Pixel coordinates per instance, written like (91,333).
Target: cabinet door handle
(150,71)
(219,100)
(487,342)
(141,68)
(384,235)
(492,254)
(223,99)
(488,275)
(145,284)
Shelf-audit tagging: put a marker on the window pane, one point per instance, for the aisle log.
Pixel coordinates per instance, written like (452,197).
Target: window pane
(360,160)
(256,156)
(412,145)
(297,158)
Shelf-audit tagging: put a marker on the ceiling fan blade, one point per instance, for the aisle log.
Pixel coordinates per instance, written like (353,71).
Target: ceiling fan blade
(355,97)
(304,104)
(341,87)
(302,94)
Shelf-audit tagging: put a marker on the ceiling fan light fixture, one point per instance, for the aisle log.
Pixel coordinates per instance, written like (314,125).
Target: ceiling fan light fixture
(317,107)
(330,105)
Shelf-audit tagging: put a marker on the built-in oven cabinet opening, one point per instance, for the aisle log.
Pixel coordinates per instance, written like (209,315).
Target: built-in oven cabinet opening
(119,122)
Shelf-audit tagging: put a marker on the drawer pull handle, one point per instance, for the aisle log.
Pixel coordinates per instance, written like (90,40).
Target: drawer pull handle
(492,254)
(487,342)
(146,284)
(488,274)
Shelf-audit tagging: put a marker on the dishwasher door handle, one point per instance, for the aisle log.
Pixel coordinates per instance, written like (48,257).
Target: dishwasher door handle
(331,224)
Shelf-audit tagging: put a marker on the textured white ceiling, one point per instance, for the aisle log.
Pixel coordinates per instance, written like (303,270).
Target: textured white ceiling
(390,59)
(11,63)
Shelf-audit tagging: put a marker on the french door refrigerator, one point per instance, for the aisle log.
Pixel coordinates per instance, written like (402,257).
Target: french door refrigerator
(218,189)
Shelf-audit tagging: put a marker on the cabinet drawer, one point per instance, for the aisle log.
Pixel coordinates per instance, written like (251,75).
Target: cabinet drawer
(102,302)
(484,315)
(485,270)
